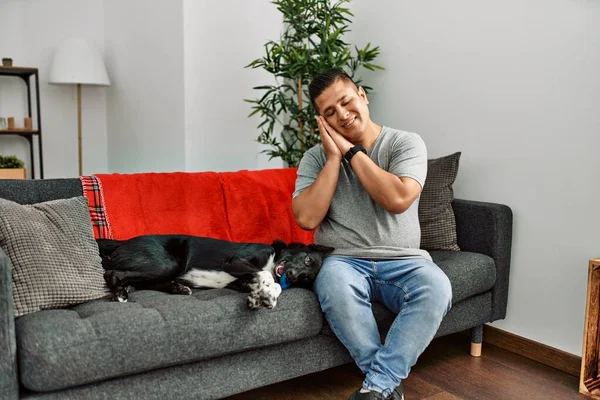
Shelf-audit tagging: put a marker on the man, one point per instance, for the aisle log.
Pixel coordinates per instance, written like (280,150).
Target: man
(360,188)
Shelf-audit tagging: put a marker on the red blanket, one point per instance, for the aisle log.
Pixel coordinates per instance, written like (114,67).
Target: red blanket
(243,206)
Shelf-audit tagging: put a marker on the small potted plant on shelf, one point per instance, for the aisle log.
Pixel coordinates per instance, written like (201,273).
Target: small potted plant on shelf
(11,168)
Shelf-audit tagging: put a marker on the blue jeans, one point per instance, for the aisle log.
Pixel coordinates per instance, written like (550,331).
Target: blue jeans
(415,289)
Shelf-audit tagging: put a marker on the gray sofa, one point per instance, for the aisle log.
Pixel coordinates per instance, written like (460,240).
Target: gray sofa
(209,345)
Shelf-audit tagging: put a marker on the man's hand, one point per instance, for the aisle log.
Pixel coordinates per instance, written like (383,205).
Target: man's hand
(331,150)
(311,206)
(342,144)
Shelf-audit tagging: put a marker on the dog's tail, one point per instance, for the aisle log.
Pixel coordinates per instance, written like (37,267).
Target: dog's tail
(107,246)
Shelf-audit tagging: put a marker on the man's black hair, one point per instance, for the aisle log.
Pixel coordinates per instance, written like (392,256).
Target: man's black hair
(323,80)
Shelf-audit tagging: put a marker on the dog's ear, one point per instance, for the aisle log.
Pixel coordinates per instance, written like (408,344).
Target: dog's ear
(296,245)
(278,245)
(323,250)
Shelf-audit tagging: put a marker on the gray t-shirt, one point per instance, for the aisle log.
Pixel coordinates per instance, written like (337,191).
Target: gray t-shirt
(355,225)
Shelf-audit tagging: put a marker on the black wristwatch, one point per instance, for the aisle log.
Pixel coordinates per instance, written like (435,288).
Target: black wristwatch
(353,150)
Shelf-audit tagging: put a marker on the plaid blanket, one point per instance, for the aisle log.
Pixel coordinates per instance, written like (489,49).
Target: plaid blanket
(241,206)
(92,189)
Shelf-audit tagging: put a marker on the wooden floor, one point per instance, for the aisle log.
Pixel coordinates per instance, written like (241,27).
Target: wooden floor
(445,371)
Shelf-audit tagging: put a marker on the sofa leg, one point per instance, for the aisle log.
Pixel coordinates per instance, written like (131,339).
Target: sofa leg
(476,340)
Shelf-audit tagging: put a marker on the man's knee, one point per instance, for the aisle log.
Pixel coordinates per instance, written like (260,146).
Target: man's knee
(339,285)
(439,289)
(444,289)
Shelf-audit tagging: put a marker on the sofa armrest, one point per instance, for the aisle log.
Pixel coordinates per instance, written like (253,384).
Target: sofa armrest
(9,385)
(487,228)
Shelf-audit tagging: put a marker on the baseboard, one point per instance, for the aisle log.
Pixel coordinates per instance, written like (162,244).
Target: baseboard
(550,356)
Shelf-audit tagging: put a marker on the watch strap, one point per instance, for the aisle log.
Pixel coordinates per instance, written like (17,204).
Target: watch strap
(354,150)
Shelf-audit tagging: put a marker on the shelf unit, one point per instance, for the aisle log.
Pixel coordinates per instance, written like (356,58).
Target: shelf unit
(26,74)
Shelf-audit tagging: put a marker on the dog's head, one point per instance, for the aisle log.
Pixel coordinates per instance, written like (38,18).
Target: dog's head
(299,262)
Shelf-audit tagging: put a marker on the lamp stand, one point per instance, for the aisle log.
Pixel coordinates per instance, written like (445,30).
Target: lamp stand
(79,136)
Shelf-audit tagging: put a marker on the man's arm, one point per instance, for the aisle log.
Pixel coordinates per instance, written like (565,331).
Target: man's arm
(395,194)
(311,206)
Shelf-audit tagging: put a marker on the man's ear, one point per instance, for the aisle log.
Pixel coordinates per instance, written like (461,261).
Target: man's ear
(323,250)
(362,94)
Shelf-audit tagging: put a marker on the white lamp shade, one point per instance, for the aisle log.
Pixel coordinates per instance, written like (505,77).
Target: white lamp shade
(77,60)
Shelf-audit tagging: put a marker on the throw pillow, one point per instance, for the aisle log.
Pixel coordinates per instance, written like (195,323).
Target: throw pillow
(55,259)
(436,216)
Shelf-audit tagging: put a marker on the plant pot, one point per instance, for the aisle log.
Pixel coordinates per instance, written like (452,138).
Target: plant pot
(12,173)
(7,62)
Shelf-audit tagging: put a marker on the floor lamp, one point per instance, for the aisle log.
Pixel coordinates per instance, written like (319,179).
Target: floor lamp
(78,62)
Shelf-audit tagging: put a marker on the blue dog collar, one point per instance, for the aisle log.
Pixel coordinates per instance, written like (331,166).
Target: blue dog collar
(283,282)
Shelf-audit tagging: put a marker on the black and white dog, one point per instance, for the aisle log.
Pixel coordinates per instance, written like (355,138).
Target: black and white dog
(176,263)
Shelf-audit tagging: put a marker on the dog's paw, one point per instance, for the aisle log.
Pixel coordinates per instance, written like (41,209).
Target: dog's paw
(253,301)
(178,288)
(264,291)
(120,295)
(270,295)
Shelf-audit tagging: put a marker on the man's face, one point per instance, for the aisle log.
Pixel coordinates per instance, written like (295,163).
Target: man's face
(345,109)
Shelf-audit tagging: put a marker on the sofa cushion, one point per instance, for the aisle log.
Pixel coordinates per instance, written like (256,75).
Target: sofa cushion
(53,253)
(101,339)
(469,273)
(436,216)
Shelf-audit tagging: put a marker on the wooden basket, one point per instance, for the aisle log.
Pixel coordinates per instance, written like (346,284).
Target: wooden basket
(589,381)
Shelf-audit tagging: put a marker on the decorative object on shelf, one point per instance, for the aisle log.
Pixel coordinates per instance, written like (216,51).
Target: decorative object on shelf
(27,124)
(78,62)
(7,62)
(31,78)
(11,125)
(11,168)
(312,40)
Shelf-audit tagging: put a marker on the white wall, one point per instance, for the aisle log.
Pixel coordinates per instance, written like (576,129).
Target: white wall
(169,107)
(515,86)
(220,39)
(144,57)
(31,30)
(13,100)
(176,102)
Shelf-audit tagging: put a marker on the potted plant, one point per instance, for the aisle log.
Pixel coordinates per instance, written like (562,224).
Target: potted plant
(11,168)
(312,40)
